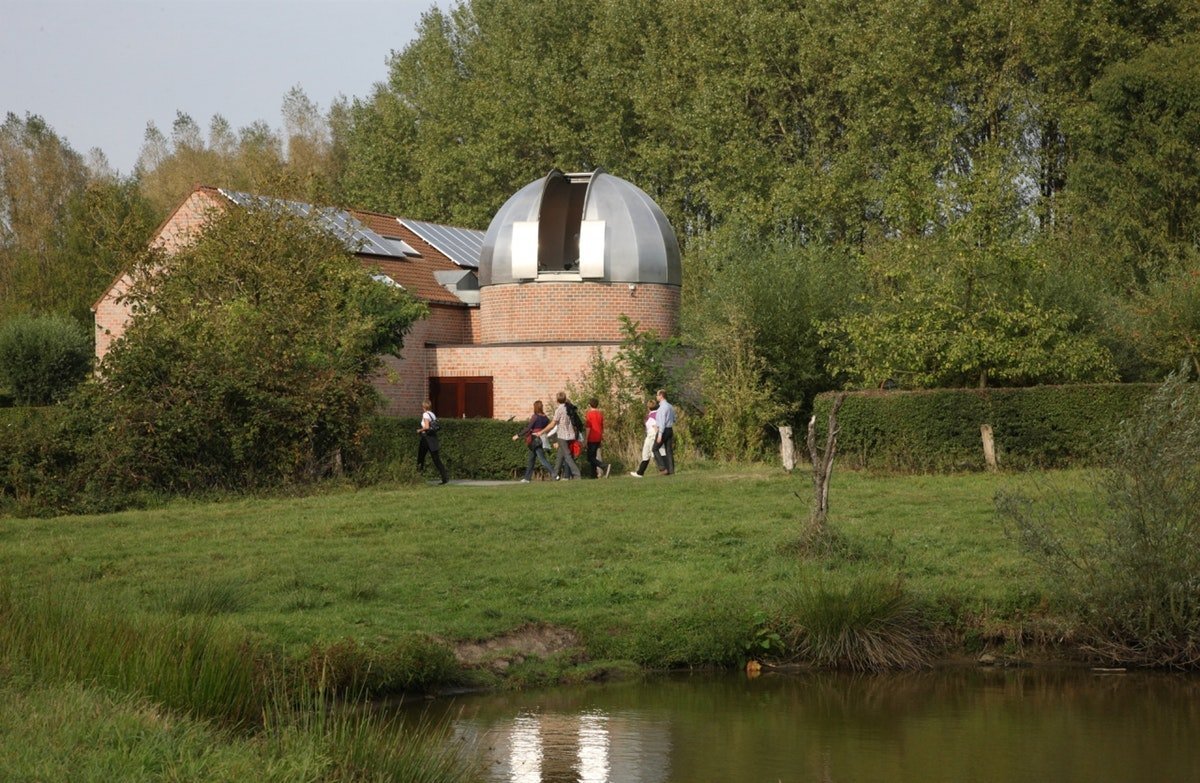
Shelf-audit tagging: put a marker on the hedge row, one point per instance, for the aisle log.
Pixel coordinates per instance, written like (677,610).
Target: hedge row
(470,448)
(938,430)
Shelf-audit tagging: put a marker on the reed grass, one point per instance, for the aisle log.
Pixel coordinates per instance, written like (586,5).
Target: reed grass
(870,624)
(166,688)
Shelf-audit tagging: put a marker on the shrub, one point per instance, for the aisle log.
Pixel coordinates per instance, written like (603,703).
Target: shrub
(870,624)
(1039,426)
(470,448)
(42,358)
(36,460)
(1129,563)
(247,363)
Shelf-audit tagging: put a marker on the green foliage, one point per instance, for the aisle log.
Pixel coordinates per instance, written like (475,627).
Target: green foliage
(626,383)
(247,363)
(30,466)
(1136,180)
(470,448)
(937,430)
(779,292)
(43,358)
(870,624)
(738,401)
(1129,564)
(948,313)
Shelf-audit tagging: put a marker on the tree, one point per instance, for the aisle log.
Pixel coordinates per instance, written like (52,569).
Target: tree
(247,362)
(941,314)
(1136,183)
(39,176)
(43,358)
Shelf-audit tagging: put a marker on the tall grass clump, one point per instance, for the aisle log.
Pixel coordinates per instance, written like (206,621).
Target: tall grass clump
(869,624)
(192,664)
(1128,562)
(364,744)
(211,597)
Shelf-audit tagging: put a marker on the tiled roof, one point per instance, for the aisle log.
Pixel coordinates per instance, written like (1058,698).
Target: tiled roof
(415,273)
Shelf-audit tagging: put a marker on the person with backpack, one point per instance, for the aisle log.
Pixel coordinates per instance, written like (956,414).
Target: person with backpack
(568,426)
(595,435)
(533,439)
(428,434)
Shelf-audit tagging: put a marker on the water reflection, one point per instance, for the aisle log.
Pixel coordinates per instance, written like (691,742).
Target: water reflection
(959,725)
(590,746)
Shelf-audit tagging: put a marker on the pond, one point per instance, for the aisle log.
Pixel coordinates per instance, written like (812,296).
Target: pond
(958,724)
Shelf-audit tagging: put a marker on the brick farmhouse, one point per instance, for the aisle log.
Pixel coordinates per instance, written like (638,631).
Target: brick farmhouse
(515,313)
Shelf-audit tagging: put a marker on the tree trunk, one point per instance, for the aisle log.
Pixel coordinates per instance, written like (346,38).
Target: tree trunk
(822,466)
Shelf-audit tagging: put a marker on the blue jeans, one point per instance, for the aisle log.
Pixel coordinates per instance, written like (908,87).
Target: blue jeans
(537,455)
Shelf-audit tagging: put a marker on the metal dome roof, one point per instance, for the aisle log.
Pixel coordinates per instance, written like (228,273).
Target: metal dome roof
(586,226)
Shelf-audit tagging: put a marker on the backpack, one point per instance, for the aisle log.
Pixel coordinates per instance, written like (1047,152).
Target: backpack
(576,421)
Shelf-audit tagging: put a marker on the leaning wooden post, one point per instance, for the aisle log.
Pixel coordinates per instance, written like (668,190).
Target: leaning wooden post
(787,448)
(822,465)
(989,446)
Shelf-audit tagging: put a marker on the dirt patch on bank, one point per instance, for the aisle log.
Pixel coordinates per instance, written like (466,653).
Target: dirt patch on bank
(530,641)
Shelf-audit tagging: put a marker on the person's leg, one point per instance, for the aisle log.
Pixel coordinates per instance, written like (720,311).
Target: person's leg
(565,451)
(641,471)
(602,467)
(541,455)
(563,448)
(669,446)
(441,469)
(592,448)
(422,450)
(529,464)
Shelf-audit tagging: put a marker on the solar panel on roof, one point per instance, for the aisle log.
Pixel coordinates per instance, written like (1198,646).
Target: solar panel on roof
(460,245)
(357,237)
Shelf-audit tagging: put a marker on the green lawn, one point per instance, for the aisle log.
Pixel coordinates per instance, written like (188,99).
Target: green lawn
(644,570)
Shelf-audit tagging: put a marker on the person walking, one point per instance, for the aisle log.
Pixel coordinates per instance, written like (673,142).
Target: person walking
(594,423)
(428,433)
(533,439)
(562,426)
(666,430)
(650,442)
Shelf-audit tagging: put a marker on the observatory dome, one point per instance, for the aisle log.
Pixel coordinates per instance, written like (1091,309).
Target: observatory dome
(590,226)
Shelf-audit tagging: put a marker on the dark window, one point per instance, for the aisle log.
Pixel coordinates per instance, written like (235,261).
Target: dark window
(462,397)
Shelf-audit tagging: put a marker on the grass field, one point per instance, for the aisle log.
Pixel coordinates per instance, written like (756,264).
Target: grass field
(133,645)
(663,571)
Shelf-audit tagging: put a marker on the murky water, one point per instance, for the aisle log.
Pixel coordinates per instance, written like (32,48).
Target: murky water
(957,725)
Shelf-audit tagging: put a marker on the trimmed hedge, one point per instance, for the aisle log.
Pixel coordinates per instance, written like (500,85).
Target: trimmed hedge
(938,430)
(470,448)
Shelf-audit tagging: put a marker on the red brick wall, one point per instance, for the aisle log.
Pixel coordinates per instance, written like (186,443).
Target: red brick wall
(530,312)
(520,373)
(403,382)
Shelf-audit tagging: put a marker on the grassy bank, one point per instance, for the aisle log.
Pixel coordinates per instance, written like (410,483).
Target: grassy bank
(193,641)
(658,572)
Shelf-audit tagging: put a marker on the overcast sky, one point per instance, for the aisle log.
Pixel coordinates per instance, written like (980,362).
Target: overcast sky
(98,70)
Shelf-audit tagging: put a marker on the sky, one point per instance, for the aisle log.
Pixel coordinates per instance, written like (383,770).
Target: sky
(99,70)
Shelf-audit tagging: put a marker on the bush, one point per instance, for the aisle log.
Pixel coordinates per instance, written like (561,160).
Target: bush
(42,358)
(938,430)
(869,625)
(34,460)
(1129,563)
(470,448)
(247,363)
